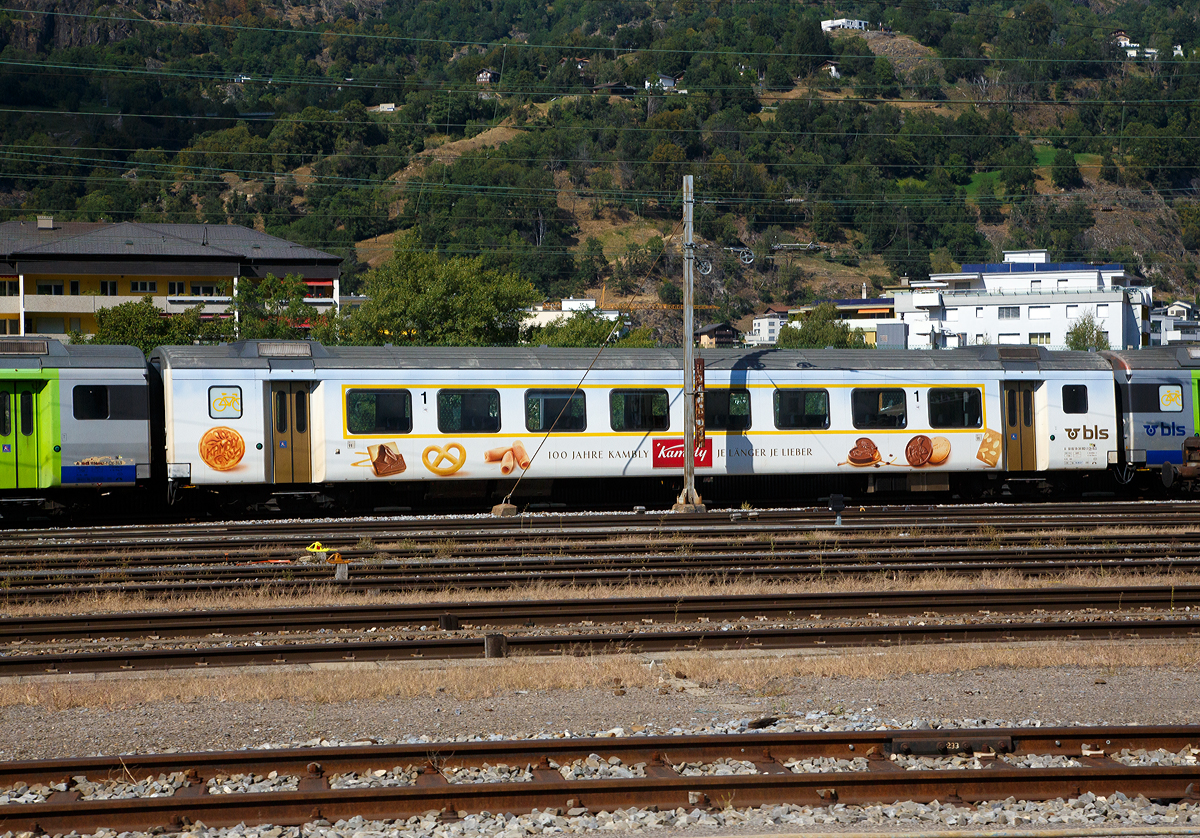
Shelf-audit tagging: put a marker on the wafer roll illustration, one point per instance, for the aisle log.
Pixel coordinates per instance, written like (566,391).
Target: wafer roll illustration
(520,454)
(506,462)
(495,455)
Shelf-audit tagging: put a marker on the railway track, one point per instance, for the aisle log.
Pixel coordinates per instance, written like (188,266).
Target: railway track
(778,770)
(565,612)
(499,645)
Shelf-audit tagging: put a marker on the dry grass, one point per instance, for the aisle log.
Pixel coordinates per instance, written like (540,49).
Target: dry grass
(700,585)
(759,674)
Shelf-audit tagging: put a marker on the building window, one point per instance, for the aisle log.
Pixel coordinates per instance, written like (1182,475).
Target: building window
(50,289)
(955,407)
(1009,312)
(204,290)
(562,411)
(1102,310)
(8,288)
(1039,312)
(108,288)
(639,410)
(76,324)
(979,311)
(727,410)
(951,315)
(875,408)
(801,409)
(51,326)
(379,412)
(1008,338)
(176,289)
(74,287)
(1074,398)
(1063,284)
(1072,311)
(981,340)
(470,411)
(142,286)
(1039,338)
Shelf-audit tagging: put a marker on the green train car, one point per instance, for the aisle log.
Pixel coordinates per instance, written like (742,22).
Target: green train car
(71,417)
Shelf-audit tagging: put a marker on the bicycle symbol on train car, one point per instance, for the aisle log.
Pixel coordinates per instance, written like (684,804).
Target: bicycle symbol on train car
(225,402)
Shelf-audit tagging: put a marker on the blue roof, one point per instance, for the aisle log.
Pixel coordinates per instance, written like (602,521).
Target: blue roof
(1034,267)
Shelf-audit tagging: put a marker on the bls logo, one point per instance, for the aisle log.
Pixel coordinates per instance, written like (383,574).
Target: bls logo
(1094,432)
(1165,429)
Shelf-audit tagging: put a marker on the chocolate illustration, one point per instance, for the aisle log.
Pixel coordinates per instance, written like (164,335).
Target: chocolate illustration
(864,453)
(918,450)
(386,459)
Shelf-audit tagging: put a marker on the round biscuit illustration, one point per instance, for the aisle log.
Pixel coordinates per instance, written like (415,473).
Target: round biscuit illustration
(941,450)
(222,448)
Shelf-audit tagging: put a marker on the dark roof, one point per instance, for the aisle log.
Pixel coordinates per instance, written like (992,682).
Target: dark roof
(1034,267)
(27,353)
(1157,358)
(128,239)
(254,355)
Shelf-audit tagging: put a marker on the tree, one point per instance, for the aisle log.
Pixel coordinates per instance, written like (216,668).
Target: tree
(989,205)
(1065,171)
(1108,168)
(417,298)
(1086,334)
(273,308)
(822,328)
(142,324)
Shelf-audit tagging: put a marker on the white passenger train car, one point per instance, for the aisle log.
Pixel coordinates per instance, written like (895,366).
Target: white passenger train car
(294,414)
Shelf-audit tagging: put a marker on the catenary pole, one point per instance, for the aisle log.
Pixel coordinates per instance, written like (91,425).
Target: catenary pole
(688,499)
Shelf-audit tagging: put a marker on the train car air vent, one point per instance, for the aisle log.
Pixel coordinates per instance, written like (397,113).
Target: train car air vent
(1019,353)
(24,347)
(284,349)
(1193,352)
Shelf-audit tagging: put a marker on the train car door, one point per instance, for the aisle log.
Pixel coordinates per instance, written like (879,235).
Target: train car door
(290,420)
(18,435)
(1020,441)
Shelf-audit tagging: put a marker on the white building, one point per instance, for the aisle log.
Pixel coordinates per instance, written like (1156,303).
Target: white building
(842,23)
(544,314)
(1176,323)
(1025,299)
(765,331)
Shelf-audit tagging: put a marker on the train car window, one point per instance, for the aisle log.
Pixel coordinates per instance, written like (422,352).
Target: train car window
(128,402)
(225,402)
(281,411)
(1027,408)
(5,414)
(89,401)
(563,411)
(26,413)
(801,409)
(1156,398)
(468,411)
(301,412)
(379,412)
(955,407)
(874,408)
(727,410)
(1074,398)
(639,410)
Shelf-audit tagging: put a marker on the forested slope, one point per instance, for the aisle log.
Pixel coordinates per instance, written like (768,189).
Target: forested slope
(967,128)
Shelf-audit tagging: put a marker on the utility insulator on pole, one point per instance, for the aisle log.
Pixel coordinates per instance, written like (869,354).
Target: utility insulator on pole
(689,500)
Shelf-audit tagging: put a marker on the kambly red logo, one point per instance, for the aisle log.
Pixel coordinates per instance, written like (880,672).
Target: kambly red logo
(668,453)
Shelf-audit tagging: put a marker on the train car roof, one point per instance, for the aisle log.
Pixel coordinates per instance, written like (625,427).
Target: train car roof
(293,355)
(1158,358)
(46,353)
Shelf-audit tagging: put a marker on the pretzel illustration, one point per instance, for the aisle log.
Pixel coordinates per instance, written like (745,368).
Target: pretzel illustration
(447,460)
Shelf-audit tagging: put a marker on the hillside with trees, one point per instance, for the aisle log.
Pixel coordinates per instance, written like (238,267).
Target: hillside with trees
(548,142)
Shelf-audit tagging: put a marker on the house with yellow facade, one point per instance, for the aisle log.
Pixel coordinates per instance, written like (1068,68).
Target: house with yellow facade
(55,275)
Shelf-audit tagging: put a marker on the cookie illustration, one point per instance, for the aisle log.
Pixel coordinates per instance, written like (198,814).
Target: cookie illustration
(864,453)
(222,448)
(989,449)
(940,451)
(918,450)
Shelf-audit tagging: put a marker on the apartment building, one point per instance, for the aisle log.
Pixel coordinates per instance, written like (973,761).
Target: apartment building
(55,275)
